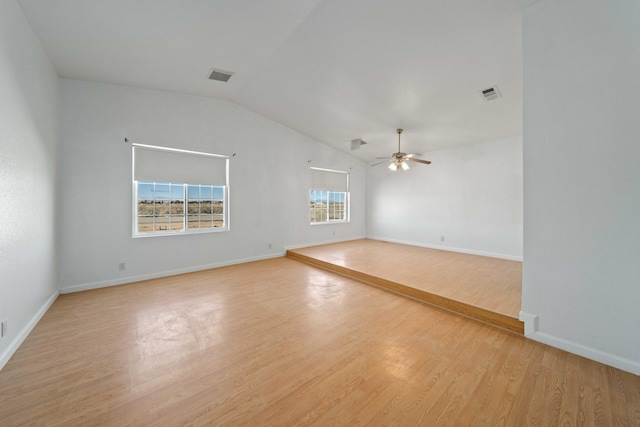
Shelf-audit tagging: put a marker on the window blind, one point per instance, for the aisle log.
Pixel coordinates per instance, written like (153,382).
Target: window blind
(326,179)
(159,164)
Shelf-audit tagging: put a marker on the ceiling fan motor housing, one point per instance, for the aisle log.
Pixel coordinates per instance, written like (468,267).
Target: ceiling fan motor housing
(400,160)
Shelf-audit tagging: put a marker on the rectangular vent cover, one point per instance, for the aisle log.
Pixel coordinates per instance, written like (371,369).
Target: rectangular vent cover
(356,143)
(491,93)
(220,75)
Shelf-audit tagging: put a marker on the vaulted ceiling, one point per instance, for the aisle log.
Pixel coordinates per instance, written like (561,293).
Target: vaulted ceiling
(335,70)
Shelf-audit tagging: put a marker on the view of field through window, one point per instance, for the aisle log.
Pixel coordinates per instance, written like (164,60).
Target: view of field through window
(161,207)
(327,206)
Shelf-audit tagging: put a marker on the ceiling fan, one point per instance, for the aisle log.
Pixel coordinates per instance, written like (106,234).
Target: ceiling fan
(400,160)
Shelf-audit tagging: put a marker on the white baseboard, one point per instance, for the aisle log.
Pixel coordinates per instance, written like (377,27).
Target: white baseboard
(326,242)
(448,248)
(130,279)
(621,363)
(531,332)
(139,278)
(530,323)
(24,333)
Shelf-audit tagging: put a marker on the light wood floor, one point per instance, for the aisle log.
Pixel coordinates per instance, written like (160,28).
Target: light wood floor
(489,289)
(278,342)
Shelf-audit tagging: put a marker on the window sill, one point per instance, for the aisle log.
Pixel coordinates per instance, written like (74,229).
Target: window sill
(180,232)
(328,222)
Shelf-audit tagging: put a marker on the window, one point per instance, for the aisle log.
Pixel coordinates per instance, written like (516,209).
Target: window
(178,191)
(205,206)
(329,196)
(160,207)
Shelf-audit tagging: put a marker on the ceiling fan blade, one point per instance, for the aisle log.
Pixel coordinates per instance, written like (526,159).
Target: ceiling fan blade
(383,157)
(414,155)
(379,163)
(426,162)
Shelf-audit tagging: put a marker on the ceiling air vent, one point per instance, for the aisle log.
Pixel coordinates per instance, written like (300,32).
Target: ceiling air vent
(220,75)
(491,93)
(356,143)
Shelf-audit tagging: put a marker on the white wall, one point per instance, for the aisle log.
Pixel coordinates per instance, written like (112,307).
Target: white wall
(471,195)
(269,183)
(581,276)
(28,146)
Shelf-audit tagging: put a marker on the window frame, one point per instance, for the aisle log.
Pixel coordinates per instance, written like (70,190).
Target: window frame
(185,199)
(346,204)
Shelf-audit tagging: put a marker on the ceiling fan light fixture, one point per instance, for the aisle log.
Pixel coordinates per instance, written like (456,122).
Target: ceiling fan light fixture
(401,160)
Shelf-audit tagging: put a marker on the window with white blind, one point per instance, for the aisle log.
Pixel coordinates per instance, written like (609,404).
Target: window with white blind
(178,191)
(329,196)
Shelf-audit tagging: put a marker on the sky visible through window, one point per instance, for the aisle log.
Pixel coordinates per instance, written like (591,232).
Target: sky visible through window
(321,196)
(176,191)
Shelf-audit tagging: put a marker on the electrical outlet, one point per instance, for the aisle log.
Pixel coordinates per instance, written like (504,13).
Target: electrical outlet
(3,328)
(122,266)
(442,238)
(269,245)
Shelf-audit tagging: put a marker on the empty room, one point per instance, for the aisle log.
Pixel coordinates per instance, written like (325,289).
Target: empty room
(316,212)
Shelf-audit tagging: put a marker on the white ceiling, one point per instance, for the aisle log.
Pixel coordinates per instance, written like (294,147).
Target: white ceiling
(335,70)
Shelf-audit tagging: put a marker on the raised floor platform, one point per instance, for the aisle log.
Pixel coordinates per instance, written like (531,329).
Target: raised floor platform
(484,288)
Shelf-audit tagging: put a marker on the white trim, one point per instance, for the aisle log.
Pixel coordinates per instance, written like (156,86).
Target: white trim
(329,170)
(531,332)
(182,232)
(325,242)
(185,221)
(449,248)
(530,323)
(346,207)
(179,150)
(335,221)
(622,363)
(24,333)
(132,279)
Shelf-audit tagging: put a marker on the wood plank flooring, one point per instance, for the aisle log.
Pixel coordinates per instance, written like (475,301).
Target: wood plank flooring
(282,343)
(484,288)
